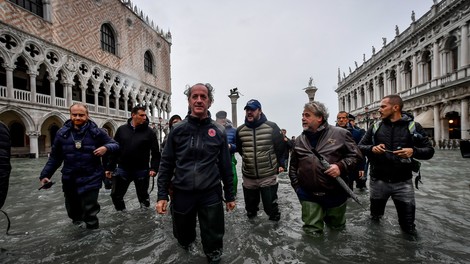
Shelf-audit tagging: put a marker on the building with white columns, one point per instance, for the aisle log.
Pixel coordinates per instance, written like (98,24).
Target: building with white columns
(105,53)
(428,65)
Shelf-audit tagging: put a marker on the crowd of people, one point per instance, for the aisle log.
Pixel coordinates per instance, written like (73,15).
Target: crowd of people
(195,166)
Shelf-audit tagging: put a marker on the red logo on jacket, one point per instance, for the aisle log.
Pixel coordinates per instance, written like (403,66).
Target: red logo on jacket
(211,132)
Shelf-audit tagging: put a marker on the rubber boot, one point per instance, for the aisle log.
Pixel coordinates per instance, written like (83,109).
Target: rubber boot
(235,177)
(406,216)
(252,199)
(73,207)
(335,217)
(377,208)
(269,197)
(119,189)
(211,222)
(312,216)
(184,227)
(91,208)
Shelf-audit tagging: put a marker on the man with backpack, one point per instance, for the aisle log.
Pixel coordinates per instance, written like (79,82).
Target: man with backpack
(391,145)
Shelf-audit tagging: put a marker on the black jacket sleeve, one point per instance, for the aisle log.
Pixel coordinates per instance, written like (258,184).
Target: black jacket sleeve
(5,166)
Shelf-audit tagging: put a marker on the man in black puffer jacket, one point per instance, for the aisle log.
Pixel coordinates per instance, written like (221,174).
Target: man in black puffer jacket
(137,141)
(5,167)
(390,149)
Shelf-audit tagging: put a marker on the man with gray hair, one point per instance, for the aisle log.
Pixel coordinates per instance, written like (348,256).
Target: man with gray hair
(196,160)
(321,153)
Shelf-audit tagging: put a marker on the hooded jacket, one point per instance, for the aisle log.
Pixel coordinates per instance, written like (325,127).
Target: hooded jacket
(196,158)
(395,135)
(335,145)
(261,145)
(135,146)
(82,170)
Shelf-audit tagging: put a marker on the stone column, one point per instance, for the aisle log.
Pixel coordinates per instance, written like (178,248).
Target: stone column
(106,103)
(436,67)
(96,90)
(68,93)
(33,143)
(126,98)
(52,81)
(32,84)
(414,71)
(310,91)
(464,46)
(464,119)
(437,124)
(234,95)
(83,91)
(9,74)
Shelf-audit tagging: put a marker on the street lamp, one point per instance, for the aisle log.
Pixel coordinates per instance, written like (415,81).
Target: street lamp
(366,110)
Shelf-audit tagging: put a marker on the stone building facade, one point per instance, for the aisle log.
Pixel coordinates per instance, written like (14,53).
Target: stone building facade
(105,53)
(428,65)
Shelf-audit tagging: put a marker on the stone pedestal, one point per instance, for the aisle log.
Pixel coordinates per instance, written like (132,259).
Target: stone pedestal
(311,90)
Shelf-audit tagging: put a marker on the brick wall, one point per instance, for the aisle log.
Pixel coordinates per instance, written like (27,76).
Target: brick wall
(76,27)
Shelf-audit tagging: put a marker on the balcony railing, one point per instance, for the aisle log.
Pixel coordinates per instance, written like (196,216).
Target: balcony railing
(22,96)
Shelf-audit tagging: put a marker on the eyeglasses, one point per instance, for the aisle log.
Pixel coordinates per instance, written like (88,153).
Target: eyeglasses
(341,118)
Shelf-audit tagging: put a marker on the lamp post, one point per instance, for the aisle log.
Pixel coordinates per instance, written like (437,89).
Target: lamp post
(366,112)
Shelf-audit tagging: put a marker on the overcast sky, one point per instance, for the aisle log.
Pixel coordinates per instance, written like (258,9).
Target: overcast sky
(270,48)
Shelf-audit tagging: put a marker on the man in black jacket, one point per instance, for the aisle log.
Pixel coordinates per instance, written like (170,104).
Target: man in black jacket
(196,159)
(137,142)
(5,166)
(391,148)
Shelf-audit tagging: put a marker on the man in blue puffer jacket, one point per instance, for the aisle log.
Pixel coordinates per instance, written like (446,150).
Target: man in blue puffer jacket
(80,144)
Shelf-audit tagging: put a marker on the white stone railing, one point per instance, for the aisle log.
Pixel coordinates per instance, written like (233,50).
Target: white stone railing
(60,102)
(91,107)
(3,91)
(101,109)
(43,99)
(22,95)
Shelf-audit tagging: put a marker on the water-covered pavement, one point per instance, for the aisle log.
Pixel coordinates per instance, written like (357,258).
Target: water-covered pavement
(142,236)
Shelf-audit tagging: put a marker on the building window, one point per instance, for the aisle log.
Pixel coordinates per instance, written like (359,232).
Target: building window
(108,41)
(34,6)
(148,62)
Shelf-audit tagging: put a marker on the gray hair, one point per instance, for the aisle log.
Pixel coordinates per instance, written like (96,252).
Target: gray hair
(210,90)
(318,109)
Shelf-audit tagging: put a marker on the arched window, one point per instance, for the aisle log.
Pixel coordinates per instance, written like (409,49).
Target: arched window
(408,70)
(34,6)
(148,62)
(108,40)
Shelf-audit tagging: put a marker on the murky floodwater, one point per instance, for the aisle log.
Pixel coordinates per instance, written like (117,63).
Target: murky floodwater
(142,236)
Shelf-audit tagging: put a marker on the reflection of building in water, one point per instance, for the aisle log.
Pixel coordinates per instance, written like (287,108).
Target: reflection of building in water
(428,65)
(104,53)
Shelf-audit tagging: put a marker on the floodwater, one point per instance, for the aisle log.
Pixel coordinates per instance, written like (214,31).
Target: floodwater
(142,236)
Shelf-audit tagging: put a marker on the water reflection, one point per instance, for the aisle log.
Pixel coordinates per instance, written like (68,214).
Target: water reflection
(141,236)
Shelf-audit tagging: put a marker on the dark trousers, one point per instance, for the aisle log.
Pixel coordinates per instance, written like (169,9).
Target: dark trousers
(83,207)
(121,181)
(269,198)
(208,208)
